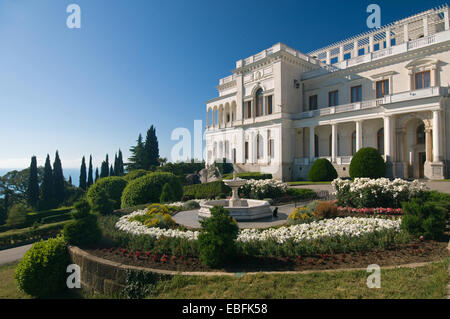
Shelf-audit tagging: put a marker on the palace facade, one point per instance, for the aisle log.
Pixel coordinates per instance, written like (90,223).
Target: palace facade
(281,109)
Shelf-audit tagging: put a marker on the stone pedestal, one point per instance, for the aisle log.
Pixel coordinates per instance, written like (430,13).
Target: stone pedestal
(434,170)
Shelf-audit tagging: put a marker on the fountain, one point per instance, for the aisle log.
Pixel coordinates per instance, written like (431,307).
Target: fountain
(240,209)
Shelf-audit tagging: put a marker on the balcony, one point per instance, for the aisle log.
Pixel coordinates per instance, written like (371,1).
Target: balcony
(389,99)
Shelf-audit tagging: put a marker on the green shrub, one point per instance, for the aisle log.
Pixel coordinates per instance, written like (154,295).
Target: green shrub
(84,229)
(131,176)
(367,162)
(301,193)
(223,166)
(113,187)
(206,190)
(322,171)
(102,204)
(249,175)
(42,271)
(148,188)
(157,215)
(17,214)
(191,205)
(56,218)
(424,218)
(217,239)
(167,195)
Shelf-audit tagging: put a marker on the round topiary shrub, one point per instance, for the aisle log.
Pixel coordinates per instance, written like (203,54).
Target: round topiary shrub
(322,171)
(83,230)
(148,188)
(131,176)
(42,271)
(367,162)
(112,186)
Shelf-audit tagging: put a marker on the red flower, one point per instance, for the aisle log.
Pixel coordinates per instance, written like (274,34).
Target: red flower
(147,253)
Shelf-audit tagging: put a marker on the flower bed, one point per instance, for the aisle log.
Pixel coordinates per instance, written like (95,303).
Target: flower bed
(260,189)
(381,192)
(371,211)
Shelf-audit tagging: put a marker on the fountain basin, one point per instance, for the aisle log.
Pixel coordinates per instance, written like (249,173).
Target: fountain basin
(247,209)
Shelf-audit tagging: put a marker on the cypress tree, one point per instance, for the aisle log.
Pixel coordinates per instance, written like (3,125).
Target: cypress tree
(82,184)
(70,180)
(137,159)
(58,181)
(116,165)
(46,200)
(97,176)
(151,149)
(120,171)
(33,184)
(90,178)
(111,171)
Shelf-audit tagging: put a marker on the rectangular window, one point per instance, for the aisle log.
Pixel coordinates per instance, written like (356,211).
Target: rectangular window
(333,98)
(246,151)
(271,147)
(382,88)
(356,94)
(249,109)
(347,56)
(422,80)
(313,102)
(361,52)
(269,104)
(334,60)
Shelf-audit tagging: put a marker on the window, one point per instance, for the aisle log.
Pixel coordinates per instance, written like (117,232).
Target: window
(249,109)
(422,80)
(334,60)
(259,102)
(313,102)
(246,151)
(333,98)
(380,140)
(361,51)
(420,134)
(382,88)
(269,104)
(347,56)
(259,147)
(271,148)
(356,94)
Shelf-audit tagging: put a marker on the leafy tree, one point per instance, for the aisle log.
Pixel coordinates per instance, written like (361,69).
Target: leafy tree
(3,211)
(17,214)
(58,181)
(33,184)
(90,178)
(136,160)
(82,183)
(47,196)
(151,149)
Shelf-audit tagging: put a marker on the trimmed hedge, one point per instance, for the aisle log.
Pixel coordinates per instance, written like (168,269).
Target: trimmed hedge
(206,191)
(249,175)
(131,176)
(113,187)
(322,171)
(43,217)
(148,188)
(42,271)
(367,162)
(12,239)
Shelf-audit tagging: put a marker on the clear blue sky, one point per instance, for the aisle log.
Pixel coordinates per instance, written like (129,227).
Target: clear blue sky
(137,63)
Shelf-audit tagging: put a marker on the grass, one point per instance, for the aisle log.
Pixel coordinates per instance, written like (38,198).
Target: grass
(427,282)
(308,183)
(24,230)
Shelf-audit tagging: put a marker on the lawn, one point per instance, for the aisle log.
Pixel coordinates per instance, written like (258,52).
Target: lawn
(424,282)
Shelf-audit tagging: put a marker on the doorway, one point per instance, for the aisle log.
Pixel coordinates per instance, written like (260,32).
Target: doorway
(422,158)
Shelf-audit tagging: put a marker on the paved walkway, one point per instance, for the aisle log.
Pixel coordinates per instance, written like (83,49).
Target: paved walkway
(8,256)
(189,218)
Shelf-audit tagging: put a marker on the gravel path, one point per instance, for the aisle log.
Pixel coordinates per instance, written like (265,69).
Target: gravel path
(8,256)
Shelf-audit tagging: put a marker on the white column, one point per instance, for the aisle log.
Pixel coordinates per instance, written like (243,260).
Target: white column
(425,26)
(388,38)
(358,136)
(371,43)
(405,33)
(446,22)
(387,138)
(436,136)
(328,57)
(355,49)
(341,53)
(333,142)
(311,144)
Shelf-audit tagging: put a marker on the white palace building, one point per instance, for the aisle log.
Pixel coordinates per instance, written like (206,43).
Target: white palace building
(281,109)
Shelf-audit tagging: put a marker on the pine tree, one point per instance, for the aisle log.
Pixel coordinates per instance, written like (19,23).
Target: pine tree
(82,183)
(97,176)
(33,184)
(151,149)
(136,160)
(90,178)
(58,181)
(46,200)
(120,170)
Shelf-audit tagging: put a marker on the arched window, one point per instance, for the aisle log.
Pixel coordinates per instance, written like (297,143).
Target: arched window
(316,146)
(259,147)
(420,134)
(259,102)
(380,140)
(353,142)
